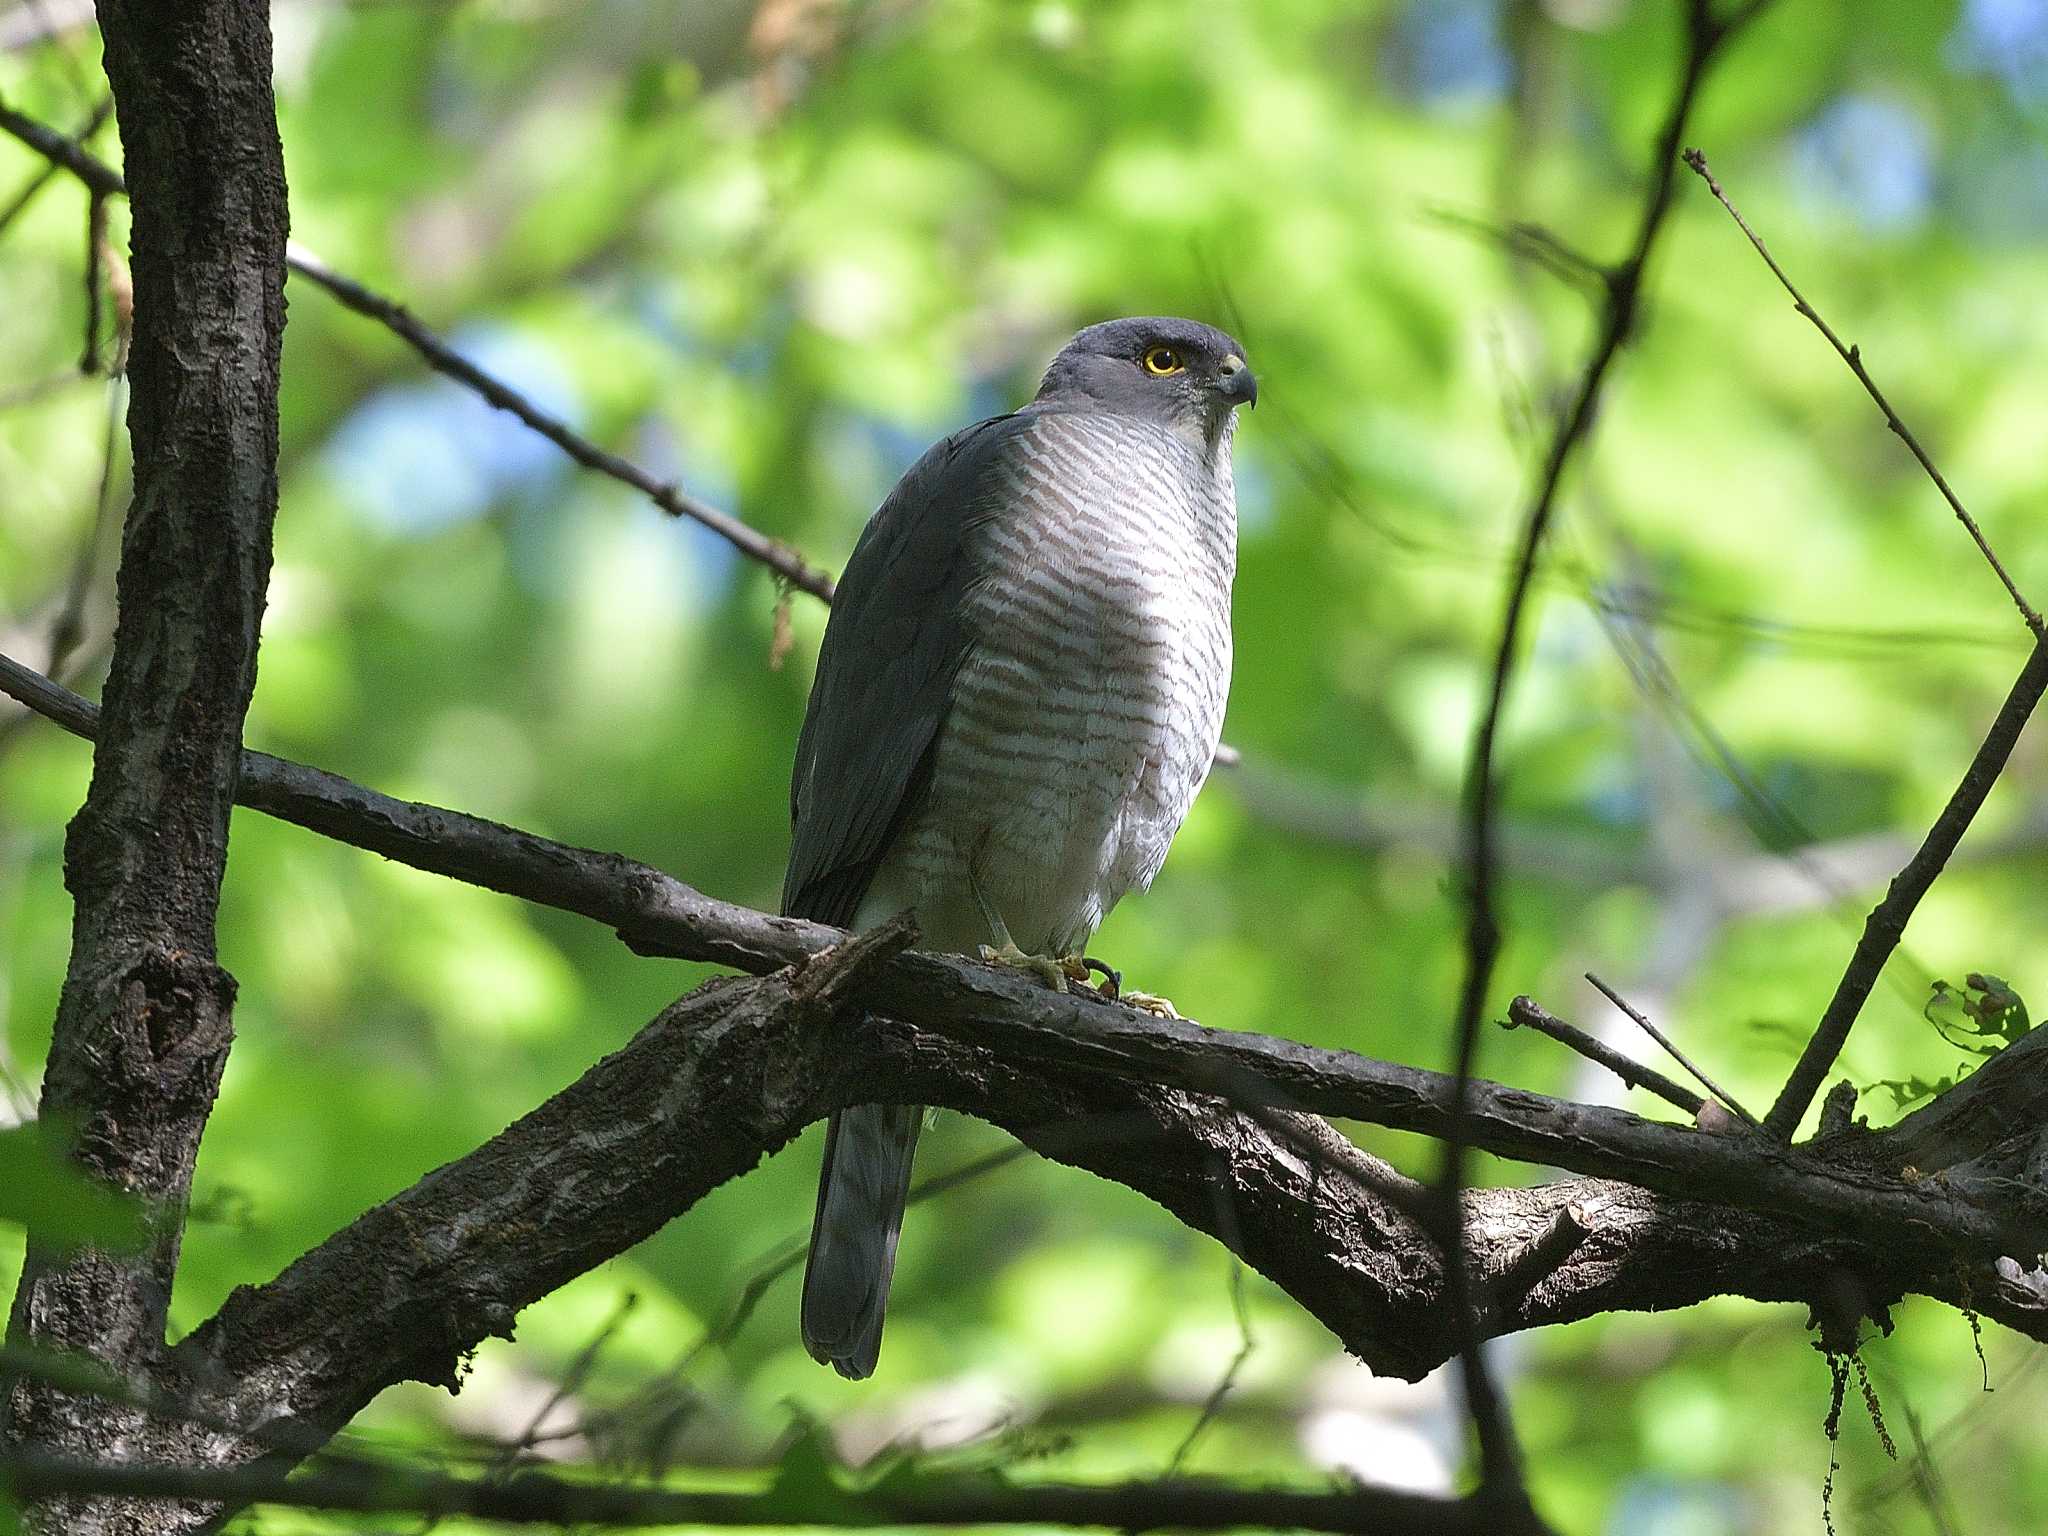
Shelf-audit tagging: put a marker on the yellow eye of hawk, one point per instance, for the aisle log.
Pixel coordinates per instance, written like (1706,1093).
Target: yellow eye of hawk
(1162,362)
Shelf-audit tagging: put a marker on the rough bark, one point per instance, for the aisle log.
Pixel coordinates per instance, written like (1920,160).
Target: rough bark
(1205,1122)
(655,913)
(1845,1225)
(734,1070)
(143,1025)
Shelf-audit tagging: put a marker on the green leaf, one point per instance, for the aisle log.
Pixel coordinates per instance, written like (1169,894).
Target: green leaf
(1997,1009)
(807,1489)
(1986,1012)
(42,1190)
(1910,1090)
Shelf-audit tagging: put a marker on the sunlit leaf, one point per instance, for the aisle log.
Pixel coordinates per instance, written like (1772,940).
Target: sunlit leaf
(40,1189)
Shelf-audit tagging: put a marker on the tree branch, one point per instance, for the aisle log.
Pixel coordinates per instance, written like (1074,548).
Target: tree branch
(143,1024)
(738,1068)
(1642,1021)
(1525,1012)
(102,180)
(1853,356)
(1705,35)
(989,1006)
(787,564)
(1887,921)
(533,1498)
(1886,924)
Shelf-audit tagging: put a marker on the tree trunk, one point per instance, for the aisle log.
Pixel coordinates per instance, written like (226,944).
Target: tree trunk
(144,1023)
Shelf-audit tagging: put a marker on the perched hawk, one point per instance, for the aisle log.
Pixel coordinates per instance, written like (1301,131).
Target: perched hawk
(1020,691)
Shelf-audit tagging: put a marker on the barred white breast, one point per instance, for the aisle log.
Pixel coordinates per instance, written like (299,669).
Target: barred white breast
(1090,703)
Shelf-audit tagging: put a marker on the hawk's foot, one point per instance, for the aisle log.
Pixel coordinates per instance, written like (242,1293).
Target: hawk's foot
(1056,971)
(1113,988)
(1150,1002)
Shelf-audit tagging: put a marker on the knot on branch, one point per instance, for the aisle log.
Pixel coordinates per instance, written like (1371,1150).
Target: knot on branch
(181,1004)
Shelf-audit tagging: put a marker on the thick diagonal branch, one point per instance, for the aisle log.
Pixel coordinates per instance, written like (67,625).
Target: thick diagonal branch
(991,1007)
(737,1068)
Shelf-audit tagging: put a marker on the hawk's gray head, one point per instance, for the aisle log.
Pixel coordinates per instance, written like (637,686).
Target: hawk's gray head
(1184,375)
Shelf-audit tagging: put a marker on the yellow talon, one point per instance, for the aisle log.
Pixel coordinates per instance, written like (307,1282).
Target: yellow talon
(1150,1002)
(1053,972)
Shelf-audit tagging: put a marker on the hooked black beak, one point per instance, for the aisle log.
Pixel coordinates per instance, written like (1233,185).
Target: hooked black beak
(1239,384)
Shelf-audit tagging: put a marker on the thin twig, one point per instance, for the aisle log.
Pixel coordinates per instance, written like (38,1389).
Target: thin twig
(1530,241)
(30,191)
(1853,356)
(1926,1477)
(63,150)
(1246,1343)
(789,1253)
(1886,924)
(1643,1023)
(534,1498)
(656,1404)
(442,358)
(34,186)
(67,630)
(1525,1012)
(1705,35)
(95,238)
(103,181)
(571,1381)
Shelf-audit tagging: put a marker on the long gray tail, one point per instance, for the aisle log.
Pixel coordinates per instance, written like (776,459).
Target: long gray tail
(861,1191)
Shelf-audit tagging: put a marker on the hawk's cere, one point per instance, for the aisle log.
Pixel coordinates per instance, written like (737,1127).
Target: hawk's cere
(1020,691)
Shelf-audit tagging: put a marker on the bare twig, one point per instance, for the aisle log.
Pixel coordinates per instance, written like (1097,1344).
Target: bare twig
(103,181)
(60,149)
(67,630)
(656,1404)
(1533,242)
(785,562)
(1705,35)
(1526,1012)
(1853,356)
(30,191)
(95,238)
(35,184)
(1886,924)
(1643,1023)
(570,1382)
(1213,1404)
(789,1253)
(1926,1477)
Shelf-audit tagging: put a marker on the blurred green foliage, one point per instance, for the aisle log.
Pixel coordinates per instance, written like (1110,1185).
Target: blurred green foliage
(41,1189)
(773,248)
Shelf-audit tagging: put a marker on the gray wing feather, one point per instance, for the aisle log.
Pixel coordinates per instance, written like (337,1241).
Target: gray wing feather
(892,649)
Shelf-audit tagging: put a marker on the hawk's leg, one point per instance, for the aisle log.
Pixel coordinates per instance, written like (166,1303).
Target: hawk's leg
(1060,972)
(1056,971)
